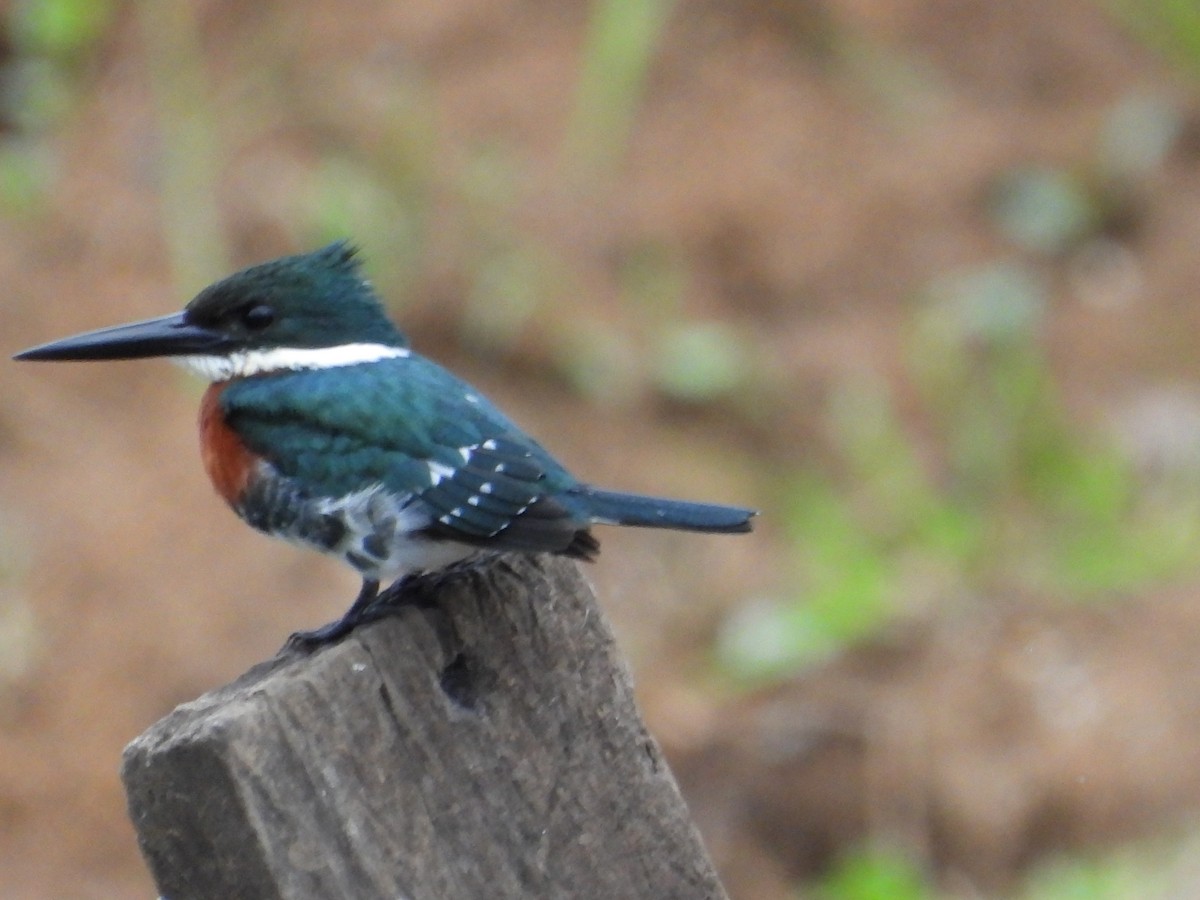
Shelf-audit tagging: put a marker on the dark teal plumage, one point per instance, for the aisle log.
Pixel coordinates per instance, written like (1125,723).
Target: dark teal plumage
(340,431)
(323,294)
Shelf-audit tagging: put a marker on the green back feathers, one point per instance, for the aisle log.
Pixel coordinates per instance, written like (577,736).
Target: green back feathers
(340,430)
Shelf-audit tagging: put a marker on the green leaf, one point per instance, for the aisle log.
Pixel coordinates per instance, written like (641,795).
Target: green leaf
(875,875)
(59,28)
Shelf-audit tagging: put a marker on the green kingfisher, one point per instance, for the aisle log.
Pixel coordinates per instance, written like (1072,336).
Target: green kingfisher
(321,426)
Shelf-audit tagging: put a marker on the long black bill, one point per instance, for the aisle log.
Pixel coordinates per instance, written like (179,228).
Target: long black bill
(164,336)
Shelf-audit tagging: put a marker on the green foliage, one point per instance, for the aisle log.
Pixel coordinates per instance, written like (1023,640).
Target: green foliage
(513,273)
(50,40)
(348,198)
(25,172)
(190,152)
(1134,872)
(1170,26)
(621,40)
(1068,512)
(700,361)
(60,29)
(874,874)
(999,490)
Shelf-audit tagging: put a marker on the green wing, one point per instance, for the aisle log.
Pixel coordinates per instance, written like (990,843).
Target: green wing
(413,427)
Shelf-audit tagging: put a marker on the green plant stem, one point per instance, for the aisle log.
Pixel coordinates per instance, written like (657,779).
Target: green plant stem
(190,151)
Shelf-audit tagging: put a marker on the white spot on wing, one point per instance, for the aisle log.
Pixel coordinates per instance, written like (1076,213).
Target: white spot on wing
(279,359)
(438,472)
(465,453)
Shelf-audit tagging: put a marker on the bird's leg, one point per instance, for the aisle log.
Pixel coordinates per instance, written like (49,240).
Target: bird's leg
(335,631)
(417,589)
(414,589)
(420,589)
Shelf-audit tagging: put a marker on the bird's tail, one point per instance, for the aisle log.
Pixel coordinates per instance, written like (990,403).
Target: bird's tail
(613,508)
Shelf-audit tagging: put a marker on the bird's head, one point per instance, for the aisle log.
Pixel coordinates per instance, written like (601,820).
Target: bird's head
(312,310)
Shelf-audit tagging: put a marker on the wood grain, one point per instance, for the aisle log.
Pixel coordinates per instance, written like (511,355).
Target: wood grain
(484,744)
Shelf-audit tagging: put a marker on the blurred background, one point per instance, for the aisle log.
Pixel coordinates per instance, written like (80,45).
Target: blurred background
(917,278)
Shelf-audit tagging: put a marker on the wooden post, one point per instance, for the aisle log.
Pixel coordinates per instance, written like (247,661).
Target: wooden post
(484,745)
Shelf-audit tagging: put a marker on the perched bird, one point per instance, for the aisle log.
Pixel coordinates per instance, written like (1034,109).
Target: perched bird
(322,427)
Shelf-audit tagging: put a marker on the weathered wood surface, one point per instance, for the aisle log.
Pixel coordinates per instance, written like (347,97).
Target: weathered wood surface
(486,746)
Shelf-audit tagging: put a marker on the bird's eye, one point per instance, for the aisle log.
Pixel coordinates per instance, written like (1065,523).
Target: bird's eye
(257,316)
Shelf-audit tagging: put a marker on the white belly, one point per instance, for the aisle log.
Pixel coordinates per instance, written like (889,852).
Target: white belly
(375,532)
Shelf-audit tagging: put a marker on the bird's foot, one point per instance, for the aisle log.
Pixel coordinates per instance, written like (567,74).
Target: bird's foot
(359,611)
(418,589)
